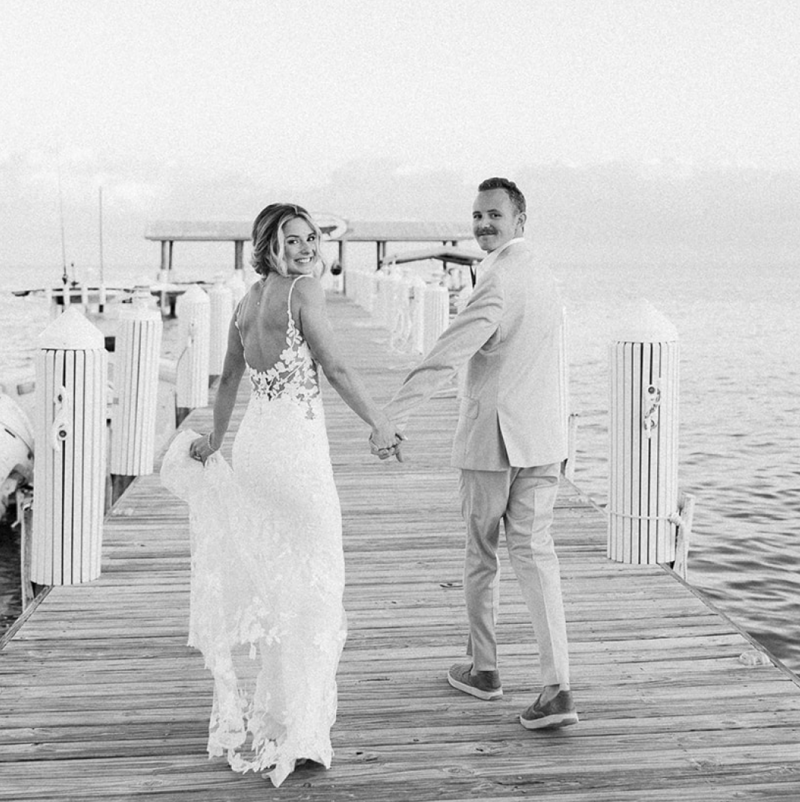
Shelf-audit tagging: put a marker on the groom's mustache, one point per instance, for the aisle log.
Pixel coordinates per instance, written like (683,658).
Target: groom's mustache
(481,232)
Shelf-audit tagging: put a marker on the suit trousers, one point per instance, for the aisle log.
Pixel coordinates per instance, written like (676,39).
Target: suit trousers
(523,498)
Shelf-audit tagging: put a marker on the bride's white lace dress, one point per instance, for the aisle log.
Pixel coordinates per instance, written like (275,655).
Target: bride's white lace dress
(268,572)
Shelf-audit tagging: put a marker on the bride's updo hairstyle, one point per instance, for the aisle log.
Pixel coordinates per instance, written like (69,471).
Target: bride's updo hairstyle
(269,241)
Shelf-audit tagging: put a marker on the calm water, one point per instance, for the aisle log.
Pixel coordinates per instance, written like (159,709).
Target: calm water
(739,434)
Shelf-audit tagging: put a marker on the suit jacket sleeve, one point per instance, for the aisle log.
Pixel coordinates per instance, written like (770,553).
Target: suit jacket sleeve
(468,332)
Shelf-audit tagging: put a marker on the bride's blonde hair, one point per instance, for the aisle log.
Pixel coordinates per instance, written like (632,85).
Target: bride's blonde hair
(269,241)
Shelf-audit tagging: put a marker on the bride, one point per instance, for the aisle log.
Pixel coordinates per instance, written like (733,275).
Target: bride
(267,561)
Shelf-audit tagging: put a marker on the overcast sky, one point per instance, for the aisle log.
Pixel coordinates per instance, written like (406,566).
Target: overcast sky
(671,121)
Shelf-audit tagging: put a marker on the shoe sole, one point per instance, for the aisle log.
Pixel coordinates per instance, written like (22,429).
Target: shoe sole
(486,696)
(554,721)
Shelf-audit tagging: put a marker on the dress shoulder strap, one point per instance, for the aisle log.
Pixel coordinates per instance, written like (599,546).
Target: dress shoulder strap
(291,289)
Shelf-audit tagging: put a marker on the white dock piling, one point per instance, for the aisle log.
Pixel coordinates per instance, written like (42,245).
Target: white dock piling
(237,286)
(69,470)
(193,337)
(220,298)
(436,315)
(382,303)
(402,332)
(417,314)
(643,435)
(138,350)
(368,290)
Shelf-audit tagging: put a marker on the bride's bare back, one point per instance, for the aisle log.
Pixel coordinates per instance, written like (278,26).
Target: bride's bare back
(263,321)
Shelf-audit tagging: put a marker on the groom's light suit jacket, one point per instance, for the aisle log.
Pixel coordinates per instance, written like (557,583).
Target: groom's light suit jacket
(513,407)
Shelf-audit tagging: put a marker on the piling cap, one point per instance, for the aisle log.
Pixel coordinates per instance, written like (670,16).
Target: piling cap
(139,310)
(71,331)
(645,324)
(220,288)
(194,295)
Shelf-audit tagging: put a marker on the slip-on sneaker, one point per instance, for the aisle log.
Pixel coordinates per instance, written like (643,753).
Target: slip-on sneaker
(482,684)
(558,712)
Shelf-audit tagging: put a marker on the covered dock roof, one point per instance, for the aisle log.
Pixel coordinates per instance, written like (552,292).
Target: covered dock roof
(167,232)
(355,231)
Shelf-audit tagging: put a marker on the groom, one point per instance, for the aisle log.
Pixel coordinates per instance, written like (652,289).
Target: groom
(509,444)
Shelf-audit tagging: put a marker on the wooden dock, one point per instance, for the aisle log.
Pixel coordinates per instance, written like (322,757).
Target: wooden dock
(101,699)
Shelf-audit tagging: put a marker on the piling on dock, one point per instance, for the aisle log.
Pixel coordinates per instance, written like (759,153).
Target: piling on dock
(133,428)
(70,456)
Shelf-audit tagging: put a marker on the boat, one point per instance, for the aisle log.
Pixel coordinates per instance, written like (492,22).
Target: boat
(16,450)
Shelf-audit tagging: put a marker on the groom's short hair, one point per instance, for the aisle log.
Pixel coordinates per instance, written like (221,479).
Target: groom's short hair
(511,189)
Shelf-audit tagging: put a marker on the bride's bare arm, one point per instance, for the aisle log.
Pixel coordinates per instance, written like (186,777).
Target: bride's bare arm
(321,339)
(227,389)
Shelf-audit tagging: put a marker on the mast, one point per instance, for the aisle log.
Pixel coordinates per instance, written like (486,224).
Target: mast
(64,274)
(102,288)
(65,277)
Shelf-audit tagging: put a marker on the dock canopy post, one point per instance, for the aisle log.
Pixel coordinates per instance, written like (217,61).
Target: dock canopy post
(348,291)
(69,470)
(193,338)
(138,350)
(643,433)
(164,257)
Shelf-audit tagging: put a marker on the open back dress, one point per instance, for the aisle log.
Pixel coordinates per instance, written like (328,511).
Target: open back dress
(268,571)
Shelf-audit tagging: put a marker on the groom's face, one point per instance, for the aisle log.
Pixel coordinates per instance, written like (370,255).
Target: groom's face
(495,219)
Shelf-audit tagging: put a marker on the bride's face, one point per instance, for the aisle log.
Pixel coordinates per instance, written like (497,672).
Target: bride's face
(300,246)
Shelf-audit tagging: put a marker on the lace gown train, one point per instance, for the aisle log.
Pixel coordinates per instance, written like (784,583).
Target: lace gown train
(268,572)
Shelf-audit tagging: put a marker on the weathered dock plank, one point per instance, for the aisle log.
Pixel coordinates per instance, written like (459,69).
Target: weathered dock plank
(100,699)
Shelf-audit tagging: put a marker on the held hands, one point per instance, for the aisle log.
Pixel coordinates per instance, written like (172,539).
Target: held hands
(202,448)
(392,450)
(385,441)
